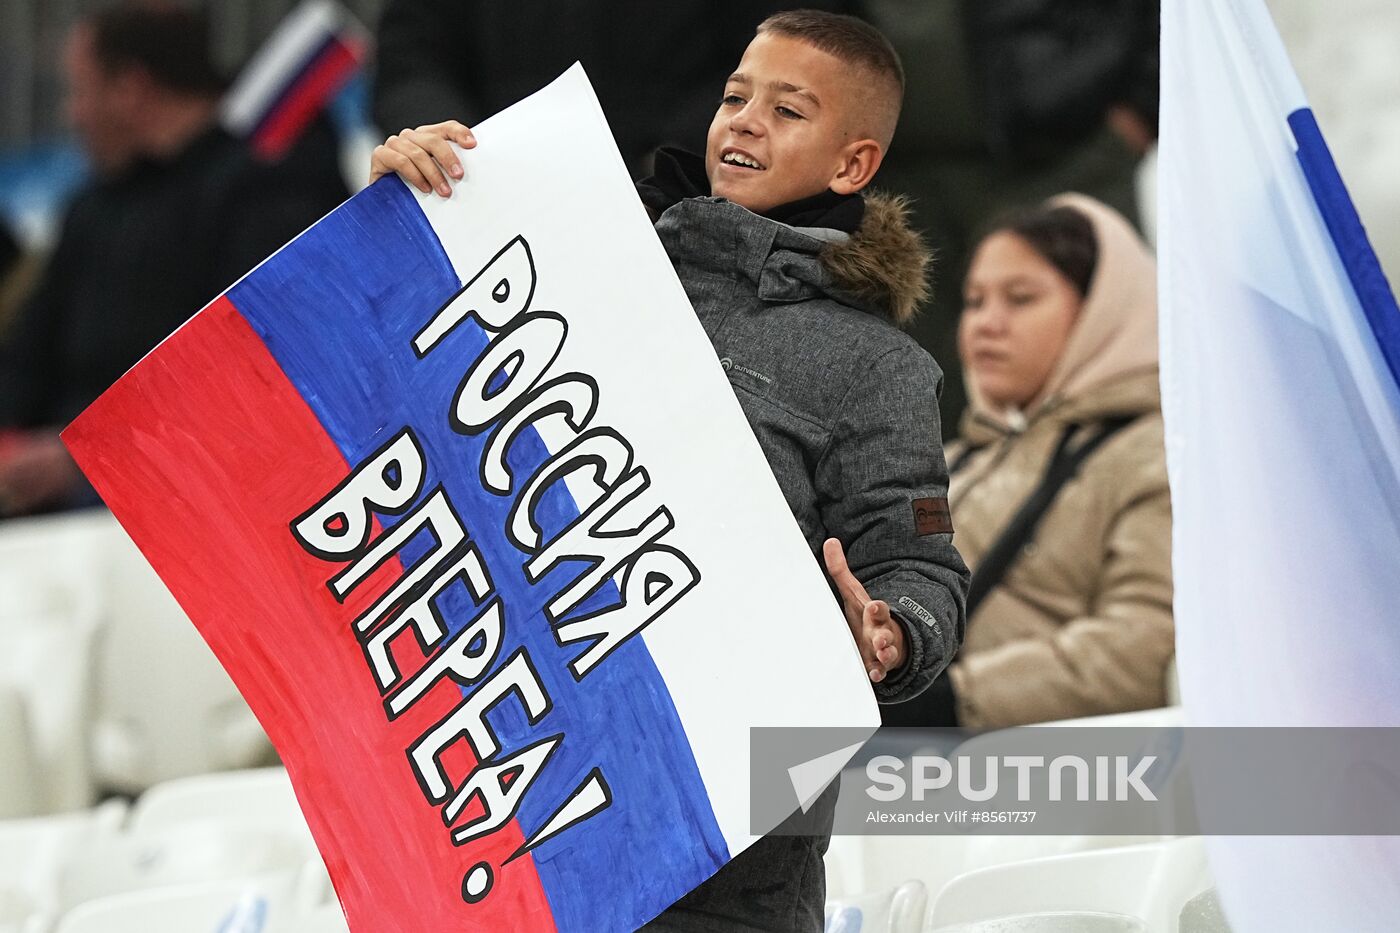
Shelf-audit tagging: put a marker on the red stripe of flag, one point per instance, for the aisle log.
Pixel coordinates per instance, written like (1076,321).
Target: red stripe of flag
(205,452)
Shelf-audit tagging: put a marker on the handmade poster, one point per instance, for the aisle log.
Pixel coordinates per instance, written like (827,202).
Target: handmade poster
(459,494)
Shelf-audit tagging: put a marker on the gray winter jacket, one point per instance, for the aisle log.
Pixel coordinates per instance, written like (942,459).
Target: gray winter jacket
(844,404)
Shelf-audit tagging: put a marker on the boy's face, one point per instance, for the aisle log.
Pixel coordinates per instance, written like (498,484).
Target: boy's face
(786,110)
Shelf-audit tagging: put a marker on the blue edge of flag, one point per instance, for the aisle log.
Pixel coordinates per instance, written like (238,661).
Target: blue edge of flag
(1358,258)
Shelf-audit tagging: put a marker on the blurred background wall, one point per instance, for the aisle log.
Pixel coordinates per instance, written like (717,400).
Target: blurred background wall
(1347,53)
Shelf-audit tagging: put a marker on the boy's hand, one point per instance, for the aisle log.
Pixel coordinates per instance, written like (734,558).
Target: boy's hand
(423,157)
(878,636)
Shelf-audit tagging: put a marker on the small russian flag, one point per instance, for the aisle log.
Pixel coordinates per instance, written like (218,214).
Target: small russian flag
(310,57)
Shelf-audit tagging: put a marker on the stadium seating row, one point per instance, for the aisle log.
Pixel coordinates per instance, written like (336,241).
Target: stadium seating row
(104,684)
(106,687)
(222,852)
(1161,887)
(231,853)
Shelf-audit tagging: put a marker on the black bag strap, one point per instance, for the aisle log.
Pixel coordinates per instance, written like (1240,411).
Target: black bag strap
(1063,468)
(963,458)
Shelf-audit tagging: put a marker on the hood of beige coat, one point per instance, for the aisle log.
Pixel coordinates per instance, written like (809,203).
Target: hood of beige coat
(1114,340)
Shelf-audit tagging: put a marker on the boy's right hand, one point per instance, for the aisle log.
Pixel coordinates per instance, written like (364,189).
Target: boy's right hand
(879,638)
(423,157)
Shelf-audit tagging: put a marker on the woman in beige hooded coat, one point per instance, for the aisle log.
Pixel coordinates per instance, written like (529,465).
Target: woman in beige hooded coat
(1059,339)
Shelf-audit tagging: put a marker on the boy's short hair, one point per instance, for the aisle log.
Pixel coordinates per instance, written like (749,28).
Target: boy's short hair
(170,43)
(854,42)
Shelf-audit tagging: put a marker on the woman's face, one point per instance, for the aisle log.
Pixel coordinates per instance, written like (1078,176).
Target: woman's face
(1018,311)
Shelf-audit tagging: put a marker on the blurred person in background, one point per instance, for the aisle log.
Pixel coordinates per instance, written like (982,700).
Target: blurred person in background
(1008,103)
(655,66)
(176,212)
(1059,483)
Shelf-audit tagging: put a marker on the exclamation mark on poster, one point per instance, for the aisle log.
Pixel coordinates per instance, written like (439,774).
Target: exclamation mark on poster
(590,797)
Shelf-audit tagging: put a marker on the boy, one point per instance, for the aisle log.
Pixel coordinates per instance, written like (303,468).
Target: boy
(800,283)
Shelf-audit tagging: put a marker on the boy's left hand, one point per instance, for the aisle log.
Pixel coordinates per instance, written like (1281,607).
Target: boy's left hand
(878,636)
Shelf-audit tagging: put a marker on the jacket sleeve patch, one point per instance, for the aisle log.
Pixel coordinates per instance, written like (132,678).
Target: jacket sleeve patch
(931,517)
(922,614)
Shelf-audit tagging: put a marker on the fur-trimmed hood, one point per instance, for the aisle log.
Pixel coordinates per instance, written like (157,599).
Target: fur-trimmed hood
(864,252)
(881,268)
(885,263)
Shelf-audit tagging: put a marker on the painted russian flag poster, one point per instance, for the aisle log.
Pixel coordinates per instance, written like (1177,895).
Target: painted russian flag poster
(459,494)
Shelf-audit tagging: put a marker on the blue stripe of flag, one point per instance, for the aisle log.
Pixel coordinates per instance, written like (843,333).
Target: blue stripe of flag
(1358,258)
(338,309)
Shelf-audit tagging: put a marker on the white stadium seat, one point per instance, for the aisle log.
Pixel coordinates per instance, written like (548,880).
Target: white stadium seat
(47,662)
(899,910)
(1148,882)
(33,851)
(19,914)
(860,863)
(165,706)
(327,919)
(49,613)
(937,860)
(261,799)
(47,565)
(107,644)
(220,907)
(188,854)
(20,790)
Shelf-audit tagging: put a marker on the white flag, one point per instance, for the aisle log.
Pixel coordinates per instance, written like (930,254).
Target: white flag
(1281,393)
